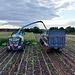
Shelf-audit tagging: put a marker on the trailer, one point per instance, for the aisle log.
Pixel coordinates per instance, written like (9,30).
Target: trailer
(53,39)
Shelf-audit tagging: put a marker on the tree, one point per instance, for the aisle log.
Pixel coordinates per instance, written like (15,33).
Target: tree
(72,29)
(53,28)
(68,29)
(61,28)
(37,30)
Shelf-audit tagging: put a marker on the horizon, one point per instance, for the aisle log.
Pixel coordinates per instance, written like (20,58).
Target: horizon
(36,26)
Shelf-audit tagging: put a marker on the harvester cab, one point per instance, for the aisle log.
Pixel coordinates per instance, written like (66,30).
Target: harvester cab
(16,41)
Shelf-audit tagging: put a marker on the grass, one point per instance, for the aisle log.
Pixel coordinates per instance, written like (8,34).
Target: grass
(1,47)
(70,39)
(30,37)
(4,37)
(72,33)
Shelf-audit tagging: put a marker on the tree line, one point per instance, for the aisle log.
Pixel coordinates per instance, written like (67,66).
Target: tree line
(68,29)
(34,30)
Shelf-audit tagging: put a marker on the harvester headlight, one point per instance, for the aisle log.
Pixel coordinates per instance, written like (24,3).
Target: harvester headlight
(19,46)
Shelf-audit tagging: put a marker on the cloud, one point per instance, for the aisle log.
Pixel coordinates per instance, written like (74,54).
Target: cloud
(3,22)
(57,23)
(9,27)
(71,23)
(29,11)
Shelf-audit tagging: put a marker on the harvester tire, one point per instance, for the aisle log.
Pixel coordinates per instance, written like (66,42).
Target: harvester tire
(23,48)
(8,50)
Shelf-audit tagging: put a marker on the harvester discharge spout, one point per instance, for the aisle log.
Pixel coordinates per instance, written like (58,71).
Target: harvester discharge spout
(31,24)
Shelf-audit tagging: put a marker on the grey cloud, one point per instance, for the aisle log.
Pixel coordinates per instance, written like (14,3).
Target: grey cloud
(27,10)
(71,23)
(65,5)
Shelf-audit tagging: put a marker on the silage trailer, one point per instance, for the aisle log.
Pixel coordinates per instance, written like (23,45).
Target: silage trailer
(53,39)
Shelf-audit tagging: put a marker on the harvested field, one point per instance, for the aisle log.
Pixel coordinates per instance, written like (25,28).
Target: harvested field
(35,61)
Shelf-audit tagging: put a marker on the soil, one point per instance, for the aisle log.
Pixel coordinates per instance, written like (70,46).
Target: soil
(35,61)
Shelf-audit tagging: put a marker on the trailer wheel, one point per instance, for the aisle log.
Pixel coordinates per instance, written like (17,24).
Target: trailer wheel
(47,49)
(60,51)
(42,43)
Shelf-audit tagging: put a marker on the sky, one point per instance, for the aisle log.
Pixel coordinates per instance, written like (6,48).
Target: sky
(54,13)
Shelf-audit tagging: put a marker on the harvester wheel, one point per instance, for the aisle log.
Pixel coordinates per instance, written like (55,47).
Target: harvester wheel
(23,48)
